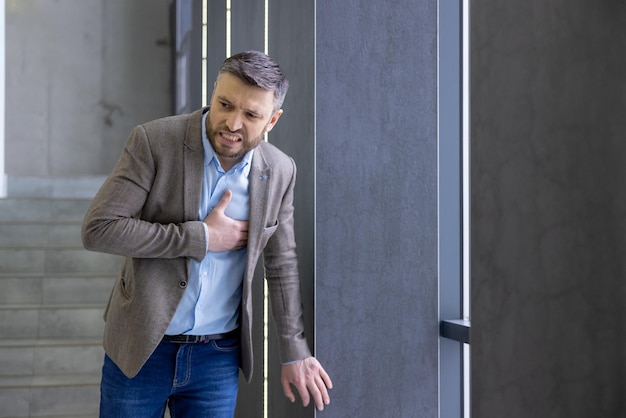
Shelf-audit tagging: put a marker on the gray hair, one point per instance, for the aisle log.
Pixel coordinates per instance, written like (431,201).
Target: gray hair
(257,69)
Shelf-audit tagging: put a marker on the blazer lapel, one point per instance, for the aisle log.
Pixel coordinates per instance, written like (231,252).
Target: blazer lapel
(259,183)
(193,165)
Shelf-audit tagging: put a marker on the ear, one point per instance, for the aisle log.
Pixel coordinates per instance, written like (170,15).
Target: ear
(273,120)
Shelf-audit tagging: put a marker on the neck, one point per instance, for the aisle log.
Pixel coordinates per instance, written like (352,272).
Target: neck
(228,162)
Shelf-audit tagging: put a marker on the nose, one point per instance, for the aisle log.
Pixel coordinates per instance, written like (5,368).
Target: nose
(234,122)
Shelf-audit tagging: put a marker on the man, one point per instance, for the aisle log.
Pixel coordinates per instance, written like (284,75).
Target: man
(192,203)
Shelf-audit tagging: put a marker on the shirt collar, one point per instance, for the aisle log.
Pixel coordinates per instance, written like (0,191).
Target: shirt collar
(210,157)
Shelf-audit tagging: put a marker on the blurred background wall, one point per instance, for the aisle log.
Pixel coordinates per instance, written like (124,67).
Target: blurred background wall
(79,75)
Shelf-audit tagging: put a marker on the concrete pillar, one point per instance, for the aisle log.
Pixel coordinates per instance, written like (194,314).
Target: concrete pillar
(376,206)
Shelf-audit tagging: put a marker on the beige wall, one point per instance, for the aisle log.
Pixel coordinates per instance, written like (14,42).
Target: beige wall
(79,75)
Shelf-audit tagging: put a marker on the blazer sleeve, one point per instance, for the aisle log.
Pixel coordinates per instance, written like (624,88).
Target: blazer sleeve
(123,217)
(281,272)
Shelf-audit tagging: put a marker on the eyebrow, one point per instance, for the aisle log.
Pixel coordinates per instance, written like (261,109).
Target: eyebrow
(254,112)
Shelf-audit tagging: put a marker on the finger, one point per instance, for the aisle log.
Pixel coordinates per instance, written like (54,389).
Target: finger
(318,397)
(321,386)
(224,201)
(288,392)
(326,378)
(303,391)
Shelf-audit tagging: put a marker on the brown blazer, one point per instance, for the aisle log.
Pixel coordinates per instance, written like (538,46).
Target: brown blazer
(147,211)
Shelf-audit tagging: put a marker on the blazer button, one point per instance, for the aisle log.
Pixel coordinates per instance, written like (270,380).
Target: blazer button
(182,284)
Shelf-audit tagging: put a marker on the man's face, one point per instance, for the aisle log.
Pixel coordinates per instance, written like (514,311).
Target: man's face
(240,114)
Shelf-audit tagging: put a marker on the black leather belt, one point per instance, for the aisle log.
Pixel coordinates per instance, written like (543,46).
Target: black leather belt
(192,339)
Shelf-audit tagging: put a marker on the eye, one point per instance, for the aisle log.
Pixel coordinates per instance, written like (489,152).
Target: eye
(225,105)
(252,115)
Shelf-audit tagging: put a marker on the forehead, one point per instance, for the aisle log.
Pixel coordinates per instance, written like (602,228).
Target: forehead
(237,92)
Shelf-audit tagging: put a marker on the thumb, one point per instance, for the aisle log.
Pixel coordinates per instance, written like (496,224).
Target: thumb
(224,201)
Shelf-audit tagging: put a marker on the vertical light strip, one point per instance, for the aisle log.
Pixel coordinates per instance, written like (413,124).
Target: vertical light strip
(205,51)
(265,292)
(266,39)
(466,200)
(466,157)
(3,177)
(228,28)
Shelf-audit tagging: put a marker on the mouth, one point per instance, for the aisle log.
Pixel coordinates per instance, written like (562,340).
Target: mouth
(230,138)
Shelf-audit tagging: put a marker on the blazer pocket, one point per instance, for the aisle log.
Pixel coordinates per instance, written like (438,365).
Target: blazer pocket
(125,287)
(269,230)
(267,233)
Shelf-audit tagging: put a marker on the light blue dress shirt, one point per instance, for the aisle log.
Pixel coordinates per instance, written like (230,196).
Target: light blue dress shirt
(210,304)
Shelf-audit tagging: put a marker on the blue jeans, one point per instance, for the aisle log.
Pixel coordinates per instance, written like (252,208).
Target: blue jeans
(194,380)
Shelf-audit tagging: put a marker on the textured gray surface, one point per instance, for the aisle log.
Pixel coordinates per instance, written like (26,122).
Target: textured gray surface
(548,212)
(376,206)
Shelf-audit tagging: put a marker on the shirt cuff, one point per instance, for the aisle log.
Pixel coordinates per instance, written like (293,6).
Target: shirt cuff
(206,235)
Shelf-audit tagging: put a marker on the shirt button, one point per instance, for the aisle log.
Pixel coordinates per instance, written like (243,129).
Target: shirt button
(205,273)
(182,284)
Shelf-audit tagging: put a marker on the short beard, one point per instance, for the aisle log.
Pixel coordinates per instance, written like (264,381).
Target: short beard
(211,133)
(249,145)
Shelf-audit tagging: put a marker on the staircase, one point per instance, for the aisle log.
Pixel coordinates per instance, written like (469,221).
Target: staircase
(52,296)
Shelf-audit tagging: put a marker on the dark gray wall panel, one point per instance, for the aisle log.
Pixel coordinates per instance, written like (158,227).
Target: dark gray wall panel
(216,42)
(376,206)
(247,25)
(548,208)
(292,44)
